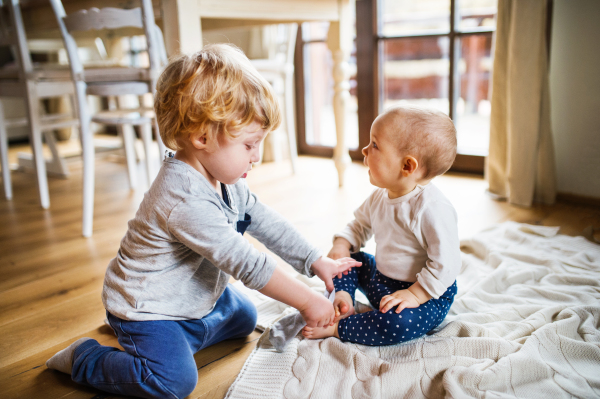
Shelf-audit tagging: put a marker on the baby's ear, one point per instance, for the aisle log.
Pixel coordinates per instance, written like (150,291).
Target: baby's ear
(409,165)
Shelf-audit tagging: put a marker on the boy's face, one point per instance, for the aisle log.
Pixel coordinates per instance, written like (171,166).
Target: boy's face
(233,158)
(384,160)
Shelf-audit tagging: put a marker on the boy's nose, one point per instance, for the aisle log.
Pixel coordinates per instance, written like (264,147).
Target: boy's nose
(255,157)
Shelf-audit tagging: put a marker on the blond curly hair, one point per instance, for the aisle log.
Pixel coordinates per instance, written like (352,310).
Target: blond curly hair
(215,91)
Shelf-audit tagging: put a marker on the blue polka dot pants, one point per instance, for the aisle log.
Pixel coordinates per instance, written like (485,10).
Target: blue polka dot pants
(376,328)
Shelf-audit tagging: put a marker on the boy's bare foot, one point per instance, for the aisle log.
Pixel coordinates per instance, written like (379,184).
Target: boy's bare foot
(320,332)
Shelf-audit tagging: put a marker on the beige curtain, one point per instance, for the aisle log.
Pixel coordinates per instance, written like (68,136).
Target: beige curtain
(520,166)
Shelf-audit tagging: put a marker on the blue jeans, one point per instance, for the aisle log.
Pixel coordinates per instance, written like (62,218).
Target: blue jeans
(158,361)
(376,328)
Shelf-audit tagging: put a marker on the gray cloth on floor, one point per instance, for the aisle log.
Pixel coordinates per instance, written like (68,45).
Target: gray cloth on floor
(289,326)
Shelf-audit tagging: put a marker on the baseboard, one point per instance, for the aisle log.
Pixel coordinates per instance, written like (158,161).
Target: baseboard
(577,199)
(468,164)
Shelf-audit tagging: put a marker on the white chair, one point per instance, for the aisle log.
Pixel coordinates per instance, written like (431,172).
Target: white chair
(32,83)
(125,121)
(279,71)
(108,81)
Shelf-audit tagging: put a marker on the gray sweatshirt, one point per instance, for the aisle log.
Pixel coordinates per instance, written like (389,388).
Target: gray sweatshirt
(182,246)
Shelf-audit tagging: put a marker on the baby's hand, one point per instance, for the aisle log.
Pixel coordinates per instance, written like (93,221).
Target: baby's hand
(402,298)
(317,311)
(340,249)
(326,269)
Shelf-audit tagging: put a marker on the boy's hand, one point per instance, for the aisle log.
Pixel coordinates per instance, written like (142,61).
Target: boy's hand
(317,311)
(402,298)
(341,249)
(327,268)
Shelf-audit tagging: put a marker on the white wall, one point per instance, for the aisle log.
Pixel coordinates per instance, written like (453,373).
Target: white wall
(575,95)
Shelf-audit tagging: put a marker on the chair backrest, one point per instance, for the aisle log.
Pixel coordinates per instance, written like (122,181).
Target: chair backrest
(283,42)
(109,18)
(12,34)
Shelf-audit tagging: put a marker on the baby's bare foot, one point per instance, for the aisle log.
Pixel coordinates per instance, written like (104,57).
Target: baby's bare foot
(362,308)
(320,332)
(343,305)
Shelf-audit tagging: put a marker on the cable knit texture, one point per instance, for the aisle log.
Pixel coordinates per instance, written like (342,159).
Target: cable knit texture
(525,323)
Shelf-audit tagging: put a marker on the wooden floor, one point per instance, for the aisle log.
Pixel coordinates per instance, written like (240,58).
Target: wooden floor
(51,277)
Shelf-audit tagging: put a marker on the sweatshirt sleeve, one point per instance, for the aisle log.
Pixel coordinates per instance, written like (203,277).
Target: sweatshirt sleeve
(200,225)
(437,230)
(280,236)
(359,231)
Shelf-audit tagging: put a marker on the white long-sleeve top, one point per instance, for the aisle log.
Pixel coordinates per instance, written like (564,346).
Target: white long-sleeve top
(416,236)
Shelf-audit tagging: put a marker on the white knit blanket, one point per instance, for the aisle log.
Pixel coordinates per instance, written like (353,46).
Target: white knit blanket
(525,323)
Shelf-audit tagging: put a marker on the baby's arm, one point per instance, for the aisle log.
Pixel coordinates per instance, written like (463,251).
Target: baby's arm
(316,310)
(412,297)
(341,248)
(355,234)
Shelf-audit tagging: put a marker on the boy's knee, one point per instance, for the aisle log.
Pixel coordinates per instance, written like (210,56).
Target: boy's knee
(179,382)
(247,317)
(187,382)
(244,313)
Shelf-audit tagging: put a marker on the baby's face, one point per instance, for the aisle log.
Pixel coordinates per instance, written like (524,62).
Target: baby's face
(382,156)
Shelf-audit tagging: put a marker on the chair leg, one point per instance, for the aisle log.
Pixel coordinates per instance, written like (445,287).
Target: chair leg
(58,164)
(127,134)
(290,120)
(35,139)
(4,156)
(88,155)
(146,133)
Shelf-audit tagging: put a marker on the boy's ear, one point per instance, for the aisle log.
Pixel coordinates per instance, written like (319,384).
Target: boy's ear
(409,165)
(199,142)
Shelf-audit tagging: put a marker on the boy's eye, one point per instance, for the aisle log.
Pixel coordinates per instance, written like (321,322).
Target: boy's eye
(375,145)
(249,147)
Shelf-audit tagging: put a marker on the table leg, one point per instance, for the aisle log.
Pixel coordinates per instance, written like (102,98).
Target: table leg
(181,26)
(339,41)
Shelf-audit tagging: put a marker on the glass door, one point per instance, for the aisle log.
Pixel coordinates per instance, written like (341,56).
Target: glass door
(314,94)
(430,53)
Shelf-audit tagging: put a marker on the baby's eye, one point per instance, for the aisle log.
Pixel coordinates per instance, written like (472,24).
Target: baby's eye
(249,147)
(375,145)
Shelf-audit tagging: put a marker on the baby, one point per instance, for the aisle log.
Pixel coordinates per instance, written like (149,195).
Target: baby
(410,282)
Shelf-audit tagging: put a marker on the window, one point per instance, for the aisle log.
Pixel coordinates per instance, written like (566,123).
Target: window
(431,53)
(314,94)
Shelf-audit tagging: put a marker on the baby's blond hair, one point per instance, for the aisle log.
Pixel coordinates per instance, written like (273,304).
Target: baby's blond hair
(428,135)
(214,91)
